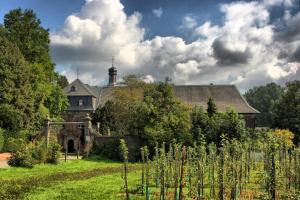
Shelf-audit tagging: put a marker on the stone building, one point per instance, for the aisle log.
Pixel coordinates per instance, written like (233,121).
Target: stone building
(85,99)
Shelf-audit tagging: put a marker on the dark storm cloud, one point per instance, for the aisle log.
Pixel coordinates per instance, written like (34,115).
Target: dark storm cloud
(291,32)
(296,55)
(228,57)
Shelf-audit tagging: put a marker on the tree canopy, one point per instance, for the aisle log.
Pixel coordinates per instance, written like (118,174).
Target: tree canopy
(264,98)
(287,111)
(29,86)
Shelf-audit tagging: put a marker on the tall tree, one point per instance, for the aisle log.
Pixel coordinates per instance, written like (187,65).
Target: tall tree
(24,30)
(16,94)
(287,111)
(211,107)
(263,98)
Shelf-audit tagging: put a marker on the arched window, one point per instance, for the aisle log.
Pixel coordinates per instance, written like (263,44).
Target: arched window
(80,102)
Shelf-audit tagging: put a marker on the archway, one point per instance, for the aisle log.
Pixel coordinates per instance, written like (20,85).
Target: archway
(71,146)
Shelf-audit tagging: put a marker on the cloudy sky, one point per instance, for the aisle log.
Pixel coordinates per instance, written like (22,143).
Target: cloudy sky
(246,43)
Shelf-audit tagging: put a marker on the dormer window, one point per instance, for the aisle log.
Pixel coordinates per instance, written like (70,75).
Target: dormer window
(80,102)
(73,88)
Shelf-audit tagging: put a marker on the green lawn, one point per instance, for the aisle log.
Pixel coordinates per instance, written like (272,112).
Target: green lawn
(75,179)
(69,166)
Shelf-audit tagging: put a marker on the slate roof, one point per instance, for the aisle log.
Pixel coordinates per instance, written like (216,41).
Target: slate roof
(81,89)
(225,96)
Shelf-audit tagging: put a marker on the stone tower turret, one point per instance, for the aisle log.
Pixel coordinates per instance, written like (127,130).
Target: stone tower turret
(112,73)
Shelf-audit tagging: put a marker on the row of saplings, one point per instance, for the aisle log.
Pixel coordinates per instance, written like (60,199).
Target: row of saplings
(234,170)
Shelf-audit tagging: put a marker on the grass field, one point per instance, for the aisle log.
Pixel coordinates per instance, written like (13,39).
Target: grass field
(92,178)
(75,179)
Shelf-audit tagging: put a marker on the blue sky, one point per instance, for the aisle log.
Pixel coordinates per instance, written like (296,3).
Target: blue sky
(53,13)
(195,42)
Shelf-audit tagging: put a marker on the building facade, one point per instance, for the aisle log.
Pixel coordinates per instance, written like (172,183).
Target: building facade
(85,99)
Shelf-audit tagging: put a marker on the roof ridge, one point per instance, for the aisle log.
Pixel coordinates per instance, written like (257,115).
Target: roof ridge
(84,86)
(242,97)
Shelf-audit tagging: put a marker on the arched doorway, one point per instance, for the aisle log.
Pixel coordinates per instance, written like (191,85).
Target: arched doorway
(71,146)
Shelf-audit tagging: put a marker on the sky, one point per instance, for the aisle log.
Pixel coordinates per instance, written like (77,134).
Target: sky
(246,43)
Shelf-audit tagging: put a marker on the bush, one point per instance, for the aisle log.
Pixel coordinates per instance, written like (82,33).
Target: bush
(21,159)
(108,149)
(53,153)
(27,154)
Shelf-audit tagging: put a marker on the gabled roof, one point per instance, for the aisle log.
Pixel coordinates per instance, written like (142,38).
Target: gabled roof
(224,96)
(81,89)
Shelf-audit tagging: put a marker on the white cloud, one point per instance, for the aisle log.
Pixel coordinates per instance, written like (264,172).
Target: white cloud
(158,12)
(102,29)
(188,22)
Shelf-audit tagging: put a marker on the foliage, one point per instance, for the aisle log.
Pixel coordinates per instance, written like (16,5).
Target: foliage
(287,110)
(241,171)
(28,81)
(25,30)
(210,129)
(105,115)
(53,153)
(1,138)
(124,153)
(284,137)
(62,81)
(264,98)
(16,101)
(161,117)
(116,115)
(211,107)
(27,154)
(107,149)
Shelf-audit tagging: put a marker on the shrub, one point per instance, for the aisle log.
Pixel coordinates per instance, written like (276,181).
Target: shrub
(53,153)
(21,159)
(27,154)
(108,149)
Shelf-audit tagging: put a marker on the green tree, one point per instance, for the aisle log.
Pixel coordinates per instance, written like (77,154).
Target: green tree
(62,81)
(287,111)
(211,107)
(105,115)
(199,123)
(24,29)
(161,117)
(263,98)
(119,113)
(16,94)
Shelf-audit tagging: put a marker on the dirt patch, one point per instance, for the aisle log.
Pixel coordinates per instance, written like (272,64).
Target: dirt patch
(3,164)
(4,156)
(3,159)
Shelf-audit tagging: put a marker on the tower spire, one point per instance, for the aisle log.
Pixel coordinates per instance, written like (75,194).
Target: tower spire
(112,61)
